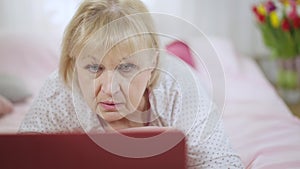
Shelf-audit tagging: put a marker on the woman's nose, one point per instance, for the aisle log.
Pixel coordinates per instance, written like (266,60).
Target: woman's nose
(108,83)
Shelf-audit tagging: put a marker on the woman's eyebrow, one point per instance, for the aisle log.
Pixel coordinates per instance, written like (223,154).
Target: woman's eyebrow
(90,57)
(130,57)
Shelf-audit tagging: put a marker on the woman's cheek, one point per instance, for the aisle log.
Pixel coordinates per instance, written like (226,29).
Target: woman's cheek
(87,88)
(137,88)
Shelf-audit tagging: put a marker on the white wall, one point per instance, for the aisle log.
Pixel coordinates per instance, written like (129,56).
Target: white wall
(230,19)
(36,16)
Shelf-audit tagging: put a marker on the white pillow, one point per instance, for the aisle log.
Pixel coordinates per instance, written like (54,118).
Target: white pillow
(13,88)
(221,48)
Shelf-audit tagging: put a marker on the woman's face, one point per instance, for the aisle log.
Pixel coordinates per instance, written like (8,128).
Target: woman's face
(114,85)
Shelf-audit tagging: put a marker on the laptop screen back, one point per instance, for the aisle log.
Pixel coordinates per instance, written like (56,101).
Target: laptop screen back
(106,150)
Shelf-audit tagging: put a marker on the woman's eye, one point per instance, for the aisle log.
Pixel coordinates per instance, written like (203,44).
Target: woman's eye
(94,68)
(127,67)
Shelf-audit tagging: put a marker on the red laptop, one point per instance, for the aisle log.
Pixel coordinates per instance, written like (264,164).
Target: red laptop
(139,148)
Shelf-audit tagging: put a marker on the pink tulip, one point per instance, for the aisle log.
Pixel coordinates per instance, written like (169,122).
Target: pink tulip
(293,14)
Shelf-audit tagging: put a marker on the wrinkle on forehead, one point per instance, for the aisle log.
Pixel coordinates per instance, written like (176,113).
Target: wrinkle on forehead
(121,51)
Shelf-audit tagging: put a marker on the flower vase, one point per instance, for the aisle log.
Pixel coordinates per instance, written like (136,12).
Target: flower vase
(288,79)
(297,65)
(290,96)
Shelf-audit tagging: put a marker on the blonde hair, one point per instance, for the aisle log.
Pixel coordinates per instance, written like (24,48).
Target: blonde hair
(106,22)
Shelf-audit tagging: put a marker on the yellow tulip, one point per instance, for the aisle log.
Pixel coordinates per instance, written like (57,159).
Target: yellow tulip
(286,3)
(261,9)
(274,19)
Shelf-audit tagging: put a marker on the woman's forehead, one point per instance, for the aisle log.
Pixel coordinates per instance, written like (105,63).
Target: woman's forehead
(120,51)
(116,56)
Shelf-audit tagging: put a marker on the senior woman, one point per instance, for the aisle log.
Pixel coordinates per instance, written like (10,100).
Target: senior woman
(112,76)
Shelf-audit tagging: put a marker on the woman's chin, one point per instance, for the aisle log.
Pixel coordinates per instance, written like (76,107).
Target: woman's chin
(111,116)
(118,127)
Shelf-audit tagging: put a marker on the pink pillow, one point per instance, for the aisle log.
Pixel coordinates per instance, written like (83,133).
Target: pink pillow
(36,56)
(182,50)
(5,106)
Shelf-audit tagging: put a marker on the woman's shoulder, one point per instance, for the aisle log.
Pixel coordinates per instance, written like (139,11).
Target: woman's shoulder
(54,86)
(52,109)
(175,74)
(178,91)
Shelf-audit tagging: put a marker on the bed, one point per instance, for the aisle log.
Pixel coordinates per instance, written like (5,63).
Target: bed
(260,126)
(262,129)
(26,61)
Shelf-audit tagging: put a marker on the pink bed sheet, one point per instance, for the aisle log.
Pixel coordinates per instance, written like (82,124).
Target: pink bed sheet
(261,127)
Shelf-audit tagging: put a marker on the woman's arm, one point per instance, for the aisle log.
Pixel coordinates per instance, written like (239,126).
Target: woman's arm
(181,102)
(51,111)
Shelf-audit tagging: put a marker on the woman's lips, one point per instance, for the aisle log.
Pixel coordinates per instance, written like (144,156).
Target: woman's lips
(109,106)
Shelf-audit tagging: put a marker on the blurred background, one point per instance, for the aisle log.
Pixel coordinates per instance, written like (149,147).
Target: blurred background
(231,19)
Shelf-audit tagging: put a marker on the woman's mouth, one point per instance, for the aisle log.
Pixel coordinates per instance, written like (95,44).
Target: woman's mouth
(109,106)
(110,111)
